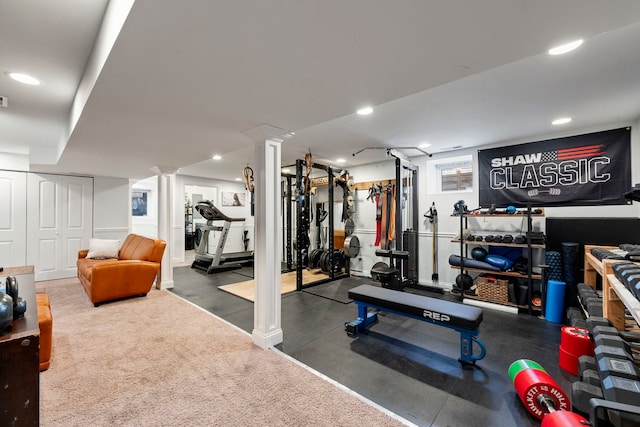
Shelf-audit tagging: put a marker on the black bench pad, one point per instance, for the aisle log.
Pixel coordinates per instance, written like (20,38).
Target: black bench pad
(460,315)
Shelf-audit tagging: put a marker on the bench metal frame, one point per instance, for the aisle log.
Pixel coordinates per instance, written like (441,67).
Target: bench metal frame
(467,336)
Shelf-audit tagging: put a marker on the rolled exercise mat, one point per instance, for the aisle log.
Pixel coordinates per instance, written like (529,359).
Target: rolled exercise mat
(554,260)
(554,305)
(520,365)
(570,265)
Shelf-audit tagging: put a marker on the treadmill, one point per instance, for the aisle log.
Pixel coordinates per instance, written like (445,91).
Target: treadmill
(219,261)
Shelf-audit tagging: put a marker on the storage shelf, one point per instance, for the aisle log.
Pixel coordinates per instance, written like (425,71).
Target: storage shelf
(499,273)
(509,245)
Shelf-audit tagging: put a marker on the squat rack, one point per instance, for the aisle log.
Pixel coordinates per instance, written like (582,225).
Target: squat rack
(303,207)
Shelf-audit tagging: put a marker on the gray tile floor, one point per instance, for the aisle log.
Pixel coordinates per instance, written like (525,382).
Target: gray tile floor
(405,365)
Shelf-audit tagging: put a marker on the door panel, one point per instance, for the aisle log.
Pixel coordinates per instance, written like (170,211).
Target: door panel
(13,224)
(59,210)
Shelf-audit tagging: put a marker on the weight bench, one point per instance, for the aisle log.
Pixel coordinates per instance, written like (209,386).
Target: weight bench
(463,318)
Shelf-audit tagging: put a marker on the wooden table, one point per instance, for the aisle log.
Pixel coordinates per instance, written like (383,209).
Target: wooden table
(20,358)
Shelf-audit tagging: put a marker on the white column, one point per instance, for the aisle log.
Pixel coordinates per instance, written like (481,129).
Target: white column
(166,208)
(267,328)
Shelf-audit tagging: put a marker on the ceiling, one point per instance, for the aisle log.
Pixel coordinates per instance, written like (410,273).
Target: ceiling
(178,82)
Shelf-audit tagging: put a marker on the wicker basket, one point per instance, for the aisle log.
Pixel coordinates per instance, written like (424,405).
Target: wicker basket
(497,291)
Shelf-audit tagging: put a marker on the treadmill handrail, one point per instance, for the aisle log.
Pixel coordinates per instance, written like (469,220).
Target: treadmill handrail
(207,209)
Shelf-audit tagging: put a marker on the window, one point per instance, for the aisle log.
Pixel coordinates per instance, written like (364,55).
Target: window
(453,174)
(456,178)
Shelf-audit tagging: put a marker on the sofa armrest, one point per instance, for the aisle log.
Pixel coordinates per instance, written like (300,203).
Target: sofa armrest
(82,253)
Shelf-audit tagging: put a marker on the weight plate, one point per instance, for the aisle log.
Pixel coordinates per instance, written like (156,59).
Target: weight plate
(576,341)
(564,418)
(520,365)
(532,385)
(316,258)
(378,264)
(349,227)
(312,256)
(323,261)
(352,246)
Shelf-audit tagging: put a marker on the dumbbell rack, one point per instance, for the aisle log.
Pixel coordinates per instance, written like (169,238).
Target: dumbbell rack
(616,298)
(530,276)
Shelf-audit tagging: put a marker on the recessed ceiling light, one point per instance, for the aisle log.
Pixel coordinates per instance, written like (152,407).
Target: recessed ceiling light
(424,145)
(340,160)
(365,111)
(217,157)
(24,78)
(238,179)
(561,121)
(285,170)
(559,50)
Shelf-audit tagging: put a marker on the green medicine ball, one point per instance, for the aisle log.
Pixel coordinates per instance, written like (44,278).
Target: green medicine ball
(479,253)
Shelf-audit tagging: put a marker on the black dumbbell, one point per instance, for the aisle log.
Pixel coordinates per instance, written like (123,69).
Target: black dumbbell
(581,393)
(621,390)
(593,321)
(622,368)
(609,342)
(586,363)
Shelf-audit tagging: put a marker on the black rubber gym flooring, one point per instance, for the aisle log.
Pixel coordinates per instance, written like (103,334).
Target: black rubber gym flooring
(405,365)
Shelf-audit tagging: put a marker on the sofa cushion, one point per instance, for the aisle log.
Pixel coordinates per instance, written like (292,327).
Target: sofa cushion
(103,248)
(141,248)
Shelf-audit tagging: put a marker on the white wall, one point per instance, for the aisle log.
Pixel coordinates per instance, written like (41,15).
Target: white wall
(234,239)
(111,208)
(146,225)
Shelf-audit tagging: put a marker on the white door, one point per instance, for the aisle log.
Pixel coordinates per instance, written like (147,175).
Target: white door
(59,223)
(13,223)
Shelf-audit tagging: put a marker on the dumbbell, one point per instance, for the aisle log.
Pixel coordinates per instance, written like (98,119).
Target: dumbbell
(613,339)
(593,321)
(542,396)
(629,275)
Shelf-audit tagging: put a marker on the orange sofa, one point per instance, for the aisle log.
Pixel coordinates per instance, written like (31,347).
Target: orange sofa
(131,273)
(45,323)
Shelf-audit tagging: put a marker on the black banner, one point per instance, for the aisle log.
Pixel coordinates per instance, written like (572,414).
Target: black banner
(583,170)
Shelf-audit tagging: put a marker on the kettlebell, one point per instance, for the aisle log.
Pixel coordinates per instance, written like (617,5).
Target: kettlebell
(19,308)
(6,312)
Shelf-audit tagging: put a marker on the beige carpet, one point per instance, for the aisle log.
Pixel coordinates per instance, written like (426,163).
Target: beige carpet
(160,361)
(246,289)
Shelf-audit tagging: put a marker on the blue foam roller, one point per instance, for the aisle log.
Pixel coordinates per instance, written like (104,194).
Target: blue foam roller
(554,305)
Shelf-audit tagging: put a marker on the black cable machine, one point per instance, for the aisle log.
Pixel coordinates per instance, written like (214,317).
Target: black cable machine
(403,266)
(219,261)
(303,223)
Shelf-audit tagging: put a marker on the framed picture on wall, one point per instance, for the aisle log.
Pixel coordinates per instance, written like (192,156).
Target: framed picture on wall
(230,198)
(139,201)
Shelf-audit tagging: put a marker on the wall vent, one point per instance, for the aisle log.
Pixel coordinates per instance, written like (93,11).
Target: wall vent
(4,101)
